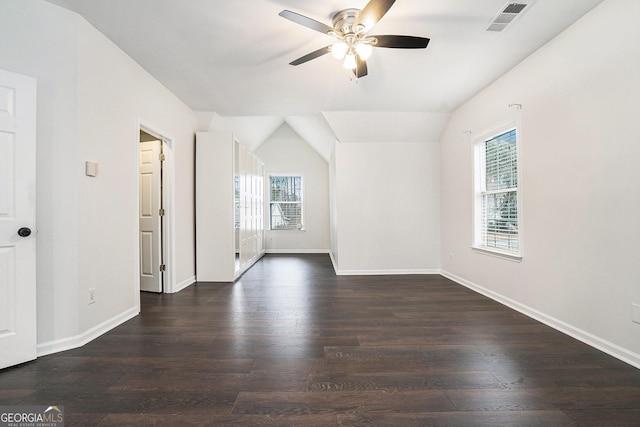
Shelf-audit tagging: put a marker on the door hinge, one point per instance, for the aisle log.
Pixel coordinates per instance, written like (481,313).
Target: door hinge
(161,212)
(163,267)
(161,157)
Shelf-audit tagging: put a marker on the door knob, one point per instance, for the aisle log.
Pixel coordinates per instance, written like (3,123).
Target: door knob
(24,232)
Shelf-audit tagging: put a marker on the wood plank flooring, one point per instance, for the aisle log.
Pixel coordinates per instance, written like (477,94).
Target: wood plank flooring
(291,344)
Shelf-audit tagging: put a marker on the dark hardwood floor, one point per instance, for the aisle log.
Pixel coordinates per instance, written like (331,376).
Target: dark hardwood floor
(291,344)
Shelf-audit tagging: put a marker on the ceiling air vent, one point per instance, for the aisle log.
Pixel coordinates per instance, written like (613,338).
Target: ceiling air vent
(507,15)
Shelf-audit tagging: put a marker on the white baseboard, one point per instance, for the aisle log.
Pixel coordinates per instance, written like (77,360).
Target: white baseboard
(297,251)
(384,272)
(610,348)
(334,262)
(377,272)
(69,343)
(182,285)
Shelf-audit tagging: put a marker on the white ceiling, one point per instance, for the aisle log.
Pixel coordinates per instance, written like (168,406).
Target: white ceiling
(232,58)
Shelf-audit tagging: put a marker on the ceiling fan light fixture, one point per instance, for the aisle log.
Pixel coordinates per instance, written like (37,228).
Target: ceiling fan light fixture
(364,50)
(350,27)
(339,49)
(350,61)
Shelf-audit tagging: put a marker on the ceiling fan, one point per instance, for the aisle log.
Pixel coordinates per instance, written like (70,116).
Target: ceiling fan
(350,27)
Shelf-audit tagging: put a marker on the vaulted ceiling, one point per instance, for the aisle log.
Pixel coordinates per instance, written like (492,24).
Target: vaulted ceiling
(232,58)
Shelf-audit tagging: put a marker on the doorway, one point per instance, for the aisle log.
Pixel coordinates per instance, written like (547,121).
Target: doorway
(151,212)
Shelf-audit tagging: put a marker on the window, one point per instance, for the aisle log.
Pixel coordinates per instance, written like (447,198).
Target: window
(285,202)
(496,207)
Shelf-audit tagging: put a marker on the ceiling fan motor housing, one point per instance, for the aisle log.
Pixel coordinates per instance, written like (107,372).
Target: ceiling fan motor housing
(344,22)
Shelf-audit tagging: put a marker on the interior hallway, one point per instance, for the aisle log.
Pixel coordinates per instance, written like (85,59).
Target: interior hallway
(293,344)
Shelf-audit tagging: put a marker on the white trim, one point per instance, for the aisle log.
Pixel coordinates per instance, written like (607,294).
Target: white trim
(610,348)
(511,256)
(267,201)
(334,262)
(70,343)
(297,251)
(378,272)
(385,272)
(505,126)
(182,285)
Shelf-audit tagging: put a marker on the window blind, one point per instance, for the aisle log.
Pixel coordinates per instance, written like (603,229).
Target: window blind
(285,204)
(499,219)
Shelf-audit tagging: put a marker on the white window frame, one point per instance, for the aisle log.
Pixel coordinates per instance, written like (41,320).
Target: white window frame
(270,202)
(480,190)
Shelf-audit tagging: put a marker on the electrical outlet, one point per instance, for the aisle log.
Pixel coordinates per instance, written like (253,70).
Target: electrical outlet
(92,295)
(451,257)
(635,312)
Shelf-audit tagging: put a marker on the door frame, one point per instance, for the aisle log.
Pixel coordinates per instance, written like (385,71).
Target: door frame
(168,179)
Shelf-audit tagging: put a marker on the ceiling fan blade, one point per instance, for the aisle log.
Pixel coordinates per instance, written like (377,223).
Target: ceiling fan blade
(313,55)
(361,68)
(306,22)
(401,42)
(373,12)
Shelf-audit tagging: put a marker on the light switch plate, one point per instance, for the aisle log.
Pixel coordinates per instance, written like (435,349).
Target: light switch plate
(90,168)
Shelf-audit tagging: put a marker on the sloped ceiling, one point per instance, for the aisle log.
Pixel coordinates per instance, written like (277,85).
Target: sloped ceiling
(254,130)
(387,126)
(314,129)
(232,58)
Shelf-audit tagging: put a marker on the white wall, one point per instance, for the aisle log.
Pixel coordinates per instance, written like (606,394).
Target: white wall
(39,40)
(286,152)
(388,208)
(580,97)
(90,98)
(114,93)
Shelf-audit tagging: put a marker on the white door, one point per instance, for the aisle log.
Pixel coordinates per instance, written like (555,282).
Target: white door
(17,219)
(150,226)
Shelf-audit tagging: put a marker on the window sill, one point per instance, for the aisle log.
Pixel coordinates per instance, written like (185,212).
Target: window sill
(510,256)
